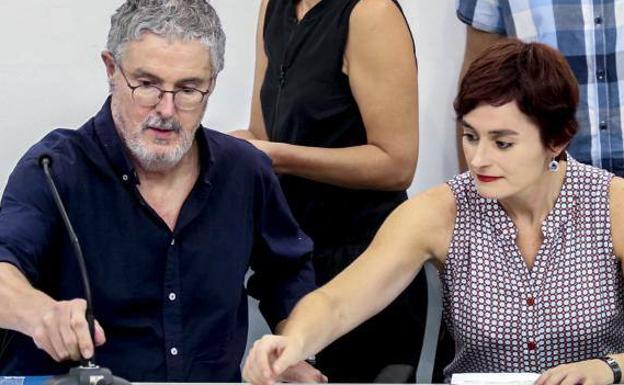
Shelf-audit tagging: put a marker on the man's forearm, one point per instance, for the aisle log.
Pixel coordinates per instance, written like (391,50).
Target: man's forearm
(18,299)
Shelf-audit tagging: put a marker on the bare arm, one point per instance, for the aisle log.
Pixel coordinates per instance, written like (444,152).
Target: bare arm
(476,42)
(256,129)
(18,300)
(382,72)
(418,230)
(59,328)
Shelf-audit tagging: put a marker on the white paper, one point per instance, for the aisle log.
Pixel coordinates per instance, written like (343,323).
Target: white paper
(494,378)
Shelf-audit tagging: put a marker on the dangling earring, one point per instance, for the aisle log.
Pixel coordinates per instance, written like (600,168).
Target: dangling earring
(553,166)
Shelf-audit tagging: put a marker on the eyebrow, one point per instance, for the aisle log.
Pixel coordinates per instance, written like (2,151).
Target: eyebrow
(492,133)
(142,73)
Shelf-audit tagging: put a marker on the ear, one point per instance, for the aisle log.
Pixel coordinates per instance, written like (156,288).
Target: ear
(557,150)
(109,63)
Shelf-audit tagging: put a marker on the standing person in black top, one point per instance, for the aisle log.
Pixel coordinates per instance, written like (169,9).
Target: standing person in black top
(335,106)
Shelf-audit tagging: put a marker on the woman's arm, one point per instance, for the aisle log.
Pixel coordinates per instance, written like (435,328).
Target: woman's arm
(418,230)
(596,372)
(257,130)
(381,65)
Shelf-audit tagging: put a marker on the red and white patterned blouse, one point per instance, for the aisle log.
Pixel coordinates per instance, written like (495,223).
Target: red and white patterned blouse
(507,317)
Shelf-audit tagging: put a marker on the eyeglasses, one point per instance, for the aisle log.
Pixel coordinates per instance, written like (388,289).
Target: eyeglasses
(186,99)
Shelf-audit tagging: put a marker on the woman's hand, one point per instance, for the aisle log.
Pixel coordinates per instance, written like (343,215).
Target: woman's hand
(278,358)
(276,152)
(589,372)
(303,373)
(264,146)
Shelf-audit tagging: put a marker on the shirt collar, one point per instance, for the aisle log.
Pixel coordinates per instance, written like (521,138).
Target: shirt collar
(312,13)
(558,216)
(114,148)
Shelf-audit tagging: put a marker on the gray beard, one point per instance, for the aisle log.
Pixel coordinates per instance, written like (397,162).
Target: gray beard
(157,161)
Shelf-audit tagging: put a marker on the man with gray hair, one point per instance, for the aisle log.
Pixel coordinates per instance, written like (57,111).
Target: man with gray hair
(170,216)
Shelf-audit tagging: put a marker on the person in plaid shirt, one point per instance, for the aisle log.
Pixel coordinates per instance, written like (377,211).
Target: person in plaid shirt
(588,34)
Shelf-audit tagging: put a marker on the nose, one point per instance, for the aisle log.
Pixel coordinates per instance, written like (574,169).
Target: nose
(480,156)
(166,105)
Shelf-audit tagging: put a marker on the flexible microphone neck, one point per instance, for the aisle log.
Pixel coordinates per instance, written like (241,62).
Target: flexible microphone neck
(45,161)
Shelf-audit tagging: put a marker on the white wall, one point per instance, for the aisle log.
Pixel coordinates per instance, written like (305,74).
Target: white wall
(51,74)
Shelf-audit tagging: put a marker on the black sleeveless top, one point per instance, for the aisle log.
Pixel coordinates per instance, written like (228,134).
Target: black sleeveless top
(306,100)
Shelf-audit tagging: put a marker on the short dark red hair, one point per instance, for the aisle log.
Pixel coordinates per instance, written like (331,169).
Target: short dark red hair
(535,76)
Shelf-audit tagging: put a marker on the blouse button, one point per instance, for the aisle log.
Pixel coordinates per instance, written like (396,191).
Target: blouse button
(531,345)
(530,301)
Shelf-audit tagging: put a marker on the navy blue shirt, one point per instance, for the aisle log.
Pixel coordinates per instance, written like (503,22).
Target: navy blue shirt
(173,304)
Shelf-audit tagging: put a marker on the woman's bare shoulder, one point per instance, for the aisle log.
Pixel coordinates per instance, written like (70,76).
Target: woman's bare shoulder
(378,9)
(429,219)
(437,204)
(374,18)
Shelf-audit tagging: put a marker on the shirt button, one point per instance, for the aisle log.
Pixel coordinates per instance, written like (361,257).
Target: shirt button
(173,351)
(173,242)
(603,125)
(172,296)
(601,74)
(531,345)
(598,20)
(530,301)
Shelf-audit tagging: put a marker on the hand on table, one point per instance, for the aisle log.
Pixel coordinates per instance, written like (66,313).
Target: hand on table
(589,372)
(278,359)
(302,372)
(62,331)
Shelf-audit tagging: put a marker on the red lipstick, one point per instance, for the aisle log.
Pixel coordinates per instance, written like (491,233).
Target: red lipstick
(487,178)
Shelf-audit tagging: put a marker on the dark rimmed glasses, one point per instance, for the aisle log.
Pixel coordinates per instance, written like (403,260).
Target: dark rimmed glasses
(147,95)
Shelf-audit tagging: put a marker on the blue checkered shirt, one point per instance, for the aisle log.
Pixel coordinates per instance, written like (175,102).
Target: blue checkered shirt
(590,35)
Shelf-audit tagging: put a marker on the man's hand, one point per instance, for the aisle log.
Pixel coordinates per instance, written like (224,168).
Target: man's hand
(62,331)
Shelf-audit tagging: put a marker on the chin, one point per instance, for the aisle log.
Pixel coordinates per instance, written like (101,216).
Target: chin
(158,164)
(491,193)
(161,158)
(160,143)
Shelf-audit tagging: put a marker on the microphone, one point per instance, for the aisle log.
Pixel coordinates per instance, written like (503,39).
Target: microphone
(88,373)
(46,161)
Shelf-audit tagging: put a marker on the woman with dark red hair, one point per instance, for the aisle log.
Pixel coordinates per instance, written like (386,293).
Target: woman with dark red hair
(525,241)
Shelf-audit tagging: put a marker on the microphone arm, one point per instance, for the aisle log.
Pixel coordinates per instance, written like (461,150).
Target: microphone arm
(87,373)
(45,162)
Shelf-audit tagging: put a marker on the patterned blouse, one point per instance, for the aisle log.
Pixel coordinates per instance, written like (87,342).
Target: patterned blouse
(507,317)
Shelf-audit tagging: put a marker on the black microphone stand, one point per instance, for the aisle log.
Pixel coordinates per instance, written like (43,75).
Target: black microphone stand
(88,373)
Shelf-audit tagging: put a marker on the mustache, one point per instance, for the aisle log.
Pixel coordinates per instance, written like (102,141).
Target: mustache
(169,124)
